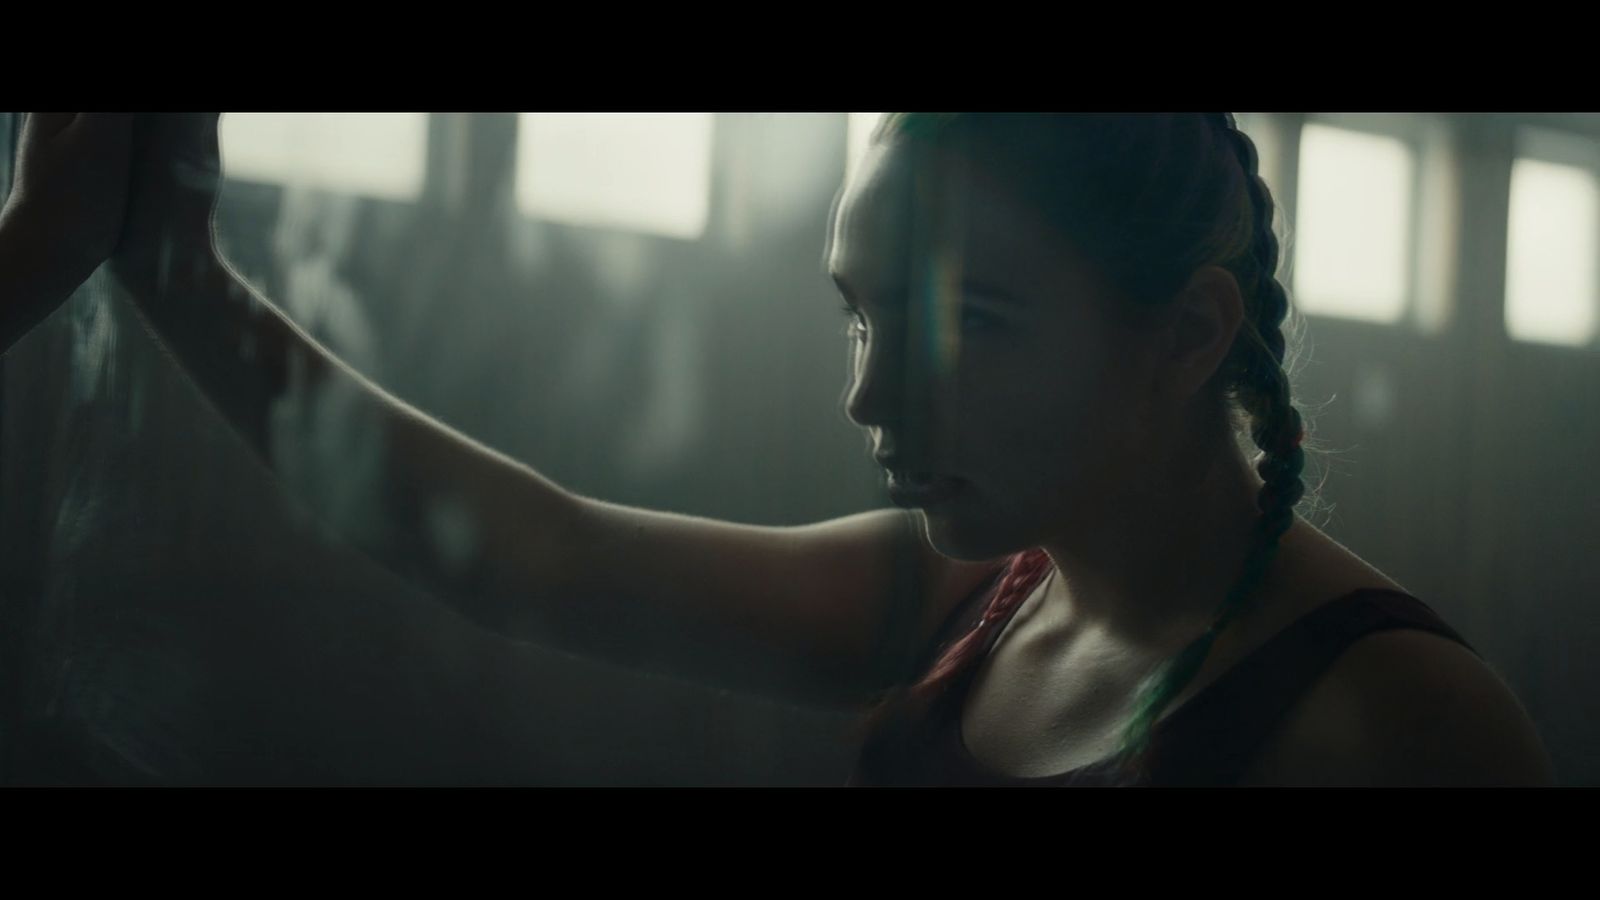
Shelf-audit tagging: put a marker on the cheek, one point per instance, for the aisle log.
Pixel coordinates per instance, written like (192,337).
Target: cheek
(1032,459)
(1045,436)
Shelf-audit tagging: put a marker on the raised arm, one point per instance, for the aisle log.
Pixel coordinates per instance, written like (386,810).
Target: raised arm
(807,613)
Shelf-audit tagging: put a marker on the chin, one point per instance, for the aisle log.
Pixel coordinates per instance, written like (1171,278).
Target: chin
(966,539)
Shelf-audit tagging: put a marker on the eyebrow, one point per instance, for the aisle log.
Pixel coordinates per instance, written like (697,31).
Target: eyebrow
(843,288)
(968,285)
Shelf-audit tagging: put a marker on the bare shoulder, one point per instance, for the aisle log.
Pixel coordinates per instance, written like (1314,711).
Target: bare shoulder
(860,555)
(1405,708)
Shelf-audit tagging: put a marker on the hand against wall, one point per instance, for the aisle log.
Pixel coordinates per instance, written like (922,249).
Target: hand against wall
(176,171)
(65,214)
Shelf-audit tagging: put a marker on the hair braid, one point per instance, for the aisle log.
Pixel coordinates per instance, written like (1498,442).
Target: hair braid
(1261,387)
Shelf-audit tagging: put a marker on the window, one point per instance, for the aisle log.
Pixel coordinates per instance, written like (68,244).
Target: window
(1355,211)
(648,172)
(1553,234)
(858,136)
(369,154)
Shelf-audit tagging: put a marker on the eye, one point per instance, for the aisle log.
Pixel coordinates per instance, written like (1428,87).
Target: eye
(973,319)
(855,324)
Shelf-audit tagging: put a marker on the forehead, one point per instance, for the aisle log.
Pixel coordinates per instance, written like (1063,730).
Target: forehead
(908,205)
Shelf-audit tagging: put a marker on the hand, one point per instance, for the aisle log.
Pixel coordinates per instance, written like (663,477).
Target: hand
(69,198)
(64,215)
(177,170)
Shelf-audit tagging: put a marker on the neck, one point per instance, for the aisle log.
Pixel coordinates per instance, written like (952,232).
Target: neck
(1155,572)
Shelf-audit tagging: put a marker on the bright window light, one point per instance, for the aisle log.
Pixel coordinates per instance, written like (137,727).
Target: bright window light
(646,172)
(859,135)
(1353,221)
(1550,255)
(370,154)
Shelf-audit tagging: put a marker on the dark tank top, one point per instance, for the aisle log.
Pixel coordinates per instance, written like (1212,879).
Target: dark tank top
(1208,741)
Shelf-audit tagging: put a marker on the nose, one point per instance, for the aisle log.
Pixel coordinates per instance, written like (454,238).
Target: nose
(894,395)
(876,394)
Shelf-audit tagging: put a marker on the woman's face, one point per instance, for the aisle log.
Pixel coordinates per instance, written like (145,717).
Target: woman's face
(981,355)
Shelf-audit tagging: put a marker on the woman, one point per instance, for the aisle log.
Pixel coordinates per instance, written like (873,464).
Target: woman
(1058,325)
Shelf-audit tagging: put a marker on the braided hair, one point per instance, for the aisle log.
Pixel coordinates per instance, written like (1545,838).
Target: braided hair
(1151,199)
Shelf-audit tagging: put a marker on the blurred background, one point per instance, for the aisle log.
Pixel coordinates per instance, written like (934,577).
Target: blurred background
(635,306)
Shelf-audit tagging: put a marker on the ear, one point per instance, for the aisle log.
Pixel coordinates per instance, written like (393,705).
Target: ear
(1209,310)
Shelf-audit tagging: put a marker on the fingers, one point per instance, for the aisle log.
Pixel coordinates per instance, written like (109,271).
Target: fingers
(176,176)
(44,126)
(110,125)
(107,136)
(188,136)
(112,130)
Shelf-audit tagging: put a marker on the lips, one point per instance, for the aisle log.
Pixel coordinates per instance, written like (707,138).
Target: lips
(918,481)
(920,489)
